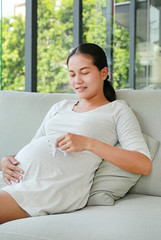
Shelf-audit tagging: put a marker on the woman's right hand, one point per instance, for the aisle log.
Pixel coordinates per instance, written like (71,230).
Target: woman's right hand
(10,170)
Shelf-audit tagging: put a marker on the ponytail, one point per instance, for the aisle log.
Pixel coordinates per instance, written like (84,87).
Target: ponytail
(109,91)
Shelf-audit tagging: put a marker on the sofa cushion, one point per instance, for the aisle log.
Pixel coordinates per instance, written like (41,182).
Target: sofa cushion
(110,182)
(135,217)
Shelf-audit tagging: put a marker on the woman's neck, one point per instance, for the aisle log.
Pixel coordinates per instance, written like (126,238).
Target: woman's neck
(89,104)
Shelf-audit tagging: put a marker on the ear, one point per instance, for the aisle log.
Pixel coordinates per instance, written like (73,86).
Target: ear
(104,73)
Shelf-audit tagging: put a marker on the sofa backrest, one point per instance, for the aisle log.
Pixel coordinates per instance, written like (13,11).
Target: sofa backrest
(146,105)
(21,114)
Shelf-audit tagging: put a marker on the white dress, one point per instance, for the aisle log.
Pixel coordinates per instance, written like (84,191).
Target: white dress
(62,183)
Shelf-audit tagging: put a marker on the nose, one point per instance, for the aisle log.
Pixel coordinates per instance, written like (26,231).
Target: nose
(78,79)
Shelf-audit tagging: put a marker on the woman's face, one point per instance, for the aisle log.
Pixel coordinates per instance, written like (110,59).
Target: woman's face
(85,78)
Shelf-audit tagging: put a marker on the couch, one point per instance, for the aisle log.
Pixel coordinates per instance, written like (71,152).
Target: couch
(135,216)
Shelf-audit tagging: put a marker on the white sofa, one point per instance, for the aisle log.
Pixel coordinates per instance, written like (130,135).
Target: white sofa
(137,216)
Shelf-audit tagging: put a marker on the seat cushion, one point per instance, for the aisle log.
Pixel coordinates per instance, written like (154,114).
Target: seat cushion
(134,217)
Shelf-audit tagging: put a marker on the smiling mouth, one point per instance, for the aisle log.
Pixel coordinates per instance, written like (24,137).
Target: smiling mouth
(80,89)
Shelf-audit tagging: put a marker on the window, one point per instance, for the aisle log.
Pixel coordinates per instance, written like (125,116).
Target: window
(121,46)
(94,22)
(12,44)
(55,40)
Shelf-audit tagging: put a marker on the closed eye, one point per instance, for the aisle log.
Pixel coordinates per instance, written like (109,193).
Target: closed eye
(85,73)
(71,74)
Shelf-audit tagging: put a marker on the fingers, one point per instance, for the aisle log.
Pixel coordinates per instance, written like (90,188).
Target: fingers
(10,170)
(72,143)
(13,161)
(13,166)
(59,140)
(10,167)
(12,176)
(7,181)
(64,142)
(65,147)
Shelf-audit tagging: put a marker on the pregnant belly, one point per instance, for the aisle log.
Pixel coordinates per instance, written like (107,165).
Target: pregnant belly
(37,161)
(37,156)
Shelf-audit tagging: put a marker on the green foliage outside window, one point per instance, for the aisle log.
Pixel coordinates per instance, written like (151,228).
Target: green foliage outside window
(121,58)
(94,22)
(13,53)
(55,40)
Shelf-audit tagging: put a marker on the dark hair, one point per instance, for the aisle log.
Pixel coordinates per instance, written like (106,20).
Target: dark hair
(100,61)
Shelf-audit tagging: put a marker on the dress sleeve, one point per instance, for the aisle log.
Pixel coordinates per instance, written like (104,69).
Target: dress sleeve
(129,131)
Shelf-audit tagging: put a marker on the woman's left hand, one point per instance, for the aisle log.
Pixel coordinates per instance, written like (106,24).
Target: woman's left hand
(72,143)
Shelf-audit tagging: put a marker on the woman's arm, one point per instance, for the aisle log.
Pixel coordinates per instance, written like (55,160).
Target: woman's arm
(131,161)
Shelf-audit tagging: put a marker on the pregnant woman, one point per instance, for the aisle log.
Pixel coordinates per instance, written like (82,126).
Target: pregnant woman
(54,172)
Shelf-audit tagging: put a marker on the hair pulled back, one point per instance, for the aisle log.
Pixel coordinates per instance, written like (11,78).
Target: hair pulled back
(100,61)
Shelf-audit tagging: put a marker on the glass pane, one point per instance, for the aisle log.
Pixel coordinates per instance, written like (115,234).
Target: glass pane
(148,44)
(142,68)
(155,45)
(121,46)
(94,22)
(13,44)
(55,39)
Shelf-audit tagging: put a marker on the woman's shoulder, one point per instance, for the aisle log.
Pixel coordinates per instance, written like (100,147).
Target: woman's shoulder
(119,104)
(121,109)
(63,105)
